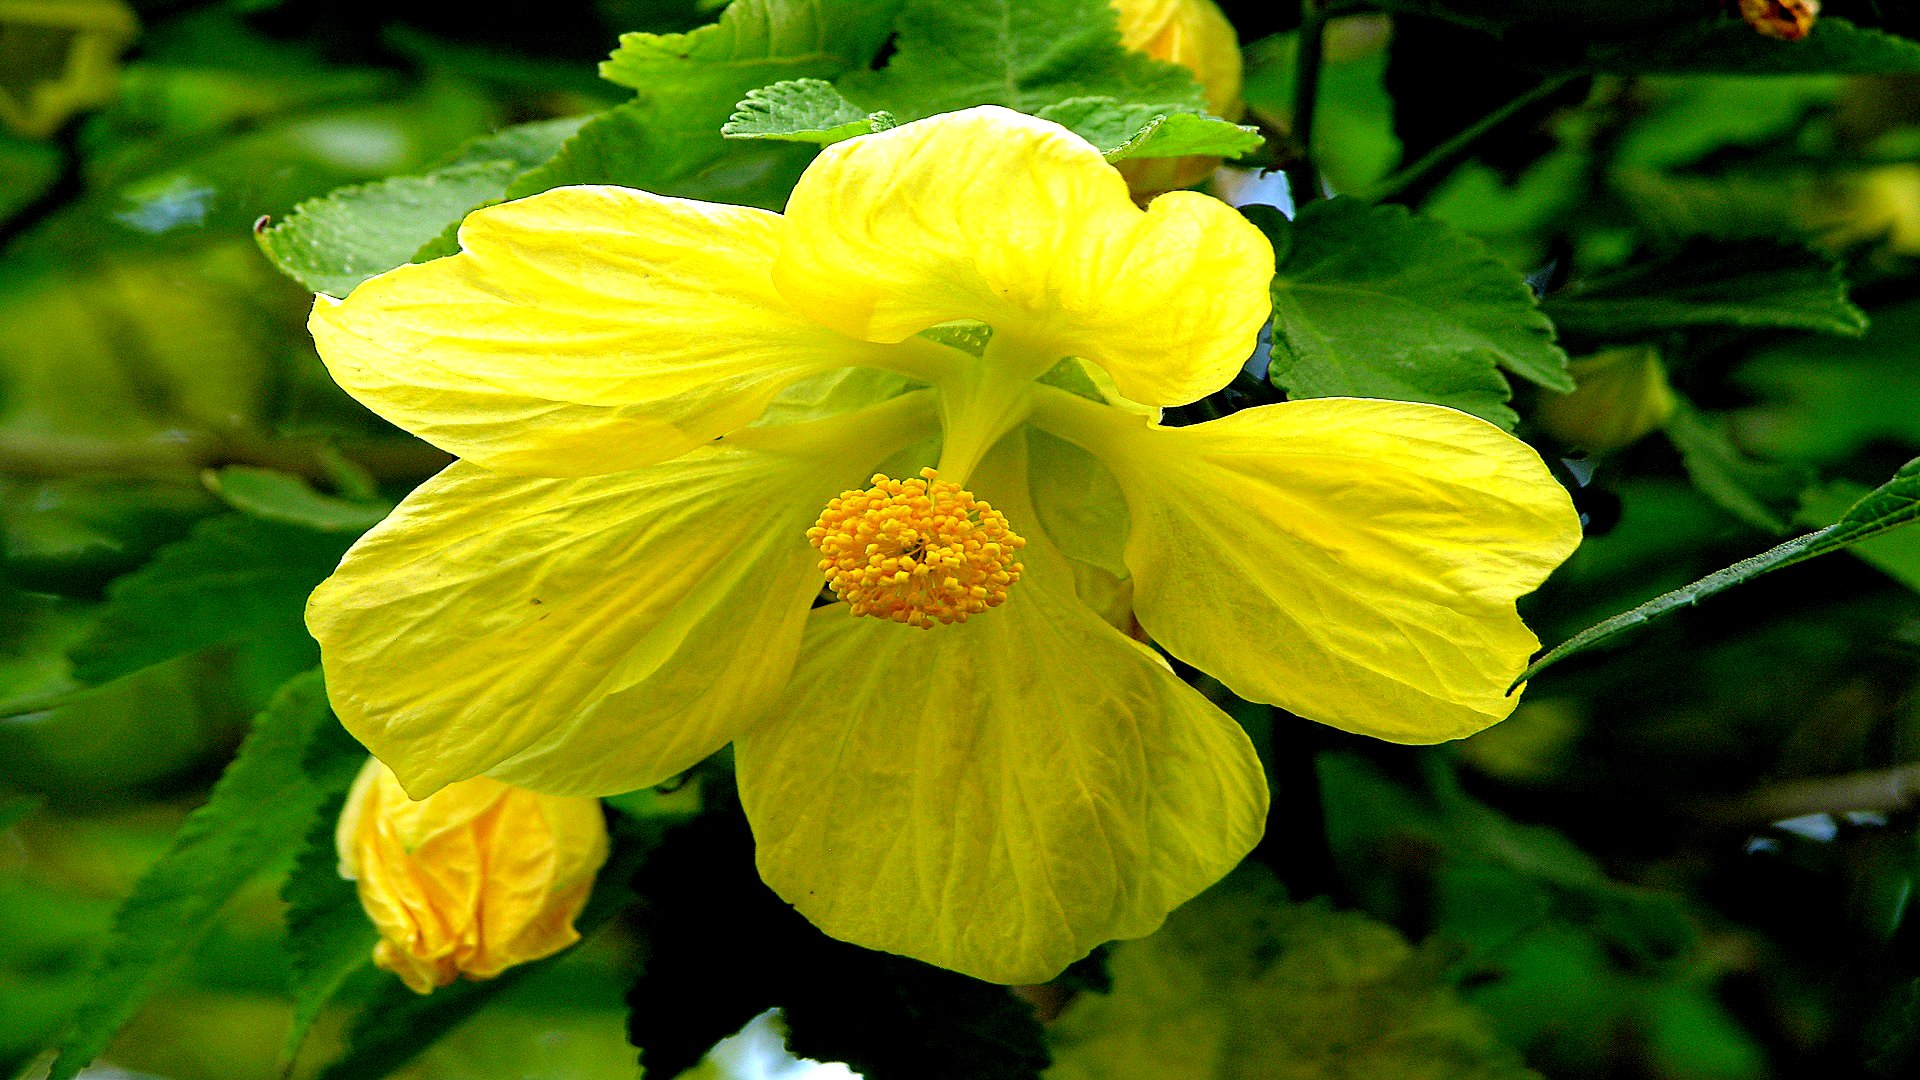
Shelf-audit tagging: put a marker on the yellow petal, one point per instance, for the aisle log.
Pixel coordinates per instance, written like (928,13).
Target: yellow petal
(593,635)
(582,331)
(1355,562)
(1194,34)
(996,796)
(993,216)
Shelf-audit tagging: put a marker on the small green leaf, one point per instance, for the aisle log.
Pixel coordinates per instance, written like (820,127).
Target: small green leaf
(334,243)
(1896,554)
(1760,493)
(329,937)
(272,495)
(1123,131)
(1890,506)
(233,579)
(1729,46)
(1753,285)
(297,757)
(1373,301)
(800,110)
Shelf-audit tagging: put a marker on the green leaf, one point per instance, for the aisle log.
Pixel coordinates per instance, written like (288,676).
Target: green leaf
(1728,46)
(335,242)
(329,937)
(1754,285)
(1826,399)
(272,495)
(668,139)
(1241,983)
(395,1024)
(1123,131)
(801,110)
(1760,493)
(1896,554)
(71,535)
(1024,54)
(233,579)
(1890,506)
(1373,301)
(296,758)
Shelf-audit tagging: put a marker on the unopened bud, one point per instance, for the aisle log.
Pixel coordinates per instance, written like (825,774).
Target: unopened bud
(1196,35)
(471,880)
(1622,394)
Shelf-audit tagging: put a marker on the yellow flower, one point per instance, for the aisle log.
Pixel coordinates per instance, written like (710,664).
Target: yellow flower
(616,581)
(471,880)
(1196,35)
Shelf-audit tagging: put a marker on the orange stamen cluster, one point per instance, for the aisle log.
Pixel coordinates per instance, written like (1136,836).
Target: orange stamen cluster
(916,551)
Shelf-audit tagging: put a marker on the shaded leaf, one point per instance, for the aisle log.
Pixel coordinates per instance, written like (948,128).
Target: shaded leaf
(1729,46)
(1756,285)
(329,937)
(272,495)
(1759,493)
(297,757)
(1239,983)
(233,579)
(1890,506)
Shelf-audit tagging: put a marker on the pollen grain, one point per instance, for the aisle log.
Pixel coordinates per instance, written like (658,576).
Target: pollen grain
(918,551)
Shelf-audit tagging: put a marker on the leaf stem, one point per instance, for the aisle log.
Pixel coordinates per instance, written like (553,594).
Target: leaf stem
(1303,178)
(1450,153)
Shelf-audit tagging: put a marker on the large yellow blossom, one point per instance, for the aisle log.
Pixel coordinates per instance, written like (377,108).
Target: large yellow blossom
(664,460)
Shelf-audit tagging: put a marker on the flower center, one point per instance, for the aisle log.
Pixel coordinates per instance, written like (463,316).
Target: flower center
(916,551)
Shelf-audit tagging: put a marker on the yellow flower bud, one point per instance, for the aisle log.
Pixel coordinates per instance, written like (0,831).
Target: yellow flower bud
(1622,395)
(1196,35)
(471,880)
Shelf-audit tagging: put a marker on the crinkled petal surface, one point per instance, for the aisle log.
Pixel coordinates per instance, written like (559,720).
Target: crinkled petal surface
(584,330)
(593,635)
(991,215)
(997,796)
(1355,562)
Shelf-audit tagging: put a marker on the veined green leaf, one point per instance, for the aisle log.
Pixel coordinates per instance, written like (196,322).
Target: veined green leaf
(233,579)
(335,242)
(329,937)
(1755,285)
(277,496)
(1890,506)
(668,138)
(1024,54)
(1122,130)
(801,110)
(295,759)
(1760,493)
(1372,301)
